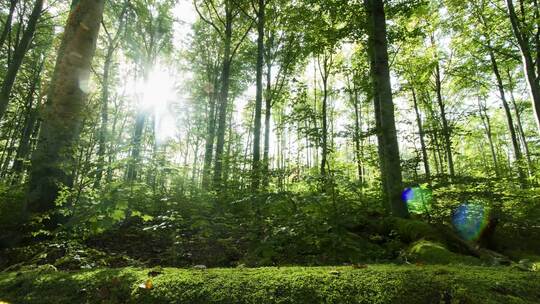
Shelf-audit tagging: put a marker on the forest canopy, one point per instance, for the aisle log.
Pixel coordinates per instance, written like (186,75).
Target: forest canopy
(269,132)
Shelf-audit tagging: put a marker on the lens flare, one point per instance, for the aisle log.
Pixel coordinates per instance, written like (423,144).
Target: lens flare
(418,199)
(470,219)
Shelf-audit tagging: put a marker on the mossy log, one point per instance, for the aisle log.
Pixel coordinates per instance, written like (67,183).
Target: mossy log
(368,284)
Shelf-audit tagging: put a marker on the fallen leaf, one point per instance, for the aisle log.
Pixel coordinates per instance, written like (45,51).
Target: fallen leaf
(146,285)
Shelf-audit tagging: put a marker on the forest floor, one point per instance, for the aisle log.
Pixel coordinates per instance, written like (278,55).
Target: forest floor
(362,283)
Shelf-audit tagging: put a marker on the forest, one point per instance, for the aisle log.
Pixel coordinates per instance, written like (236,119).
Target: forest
(269,151)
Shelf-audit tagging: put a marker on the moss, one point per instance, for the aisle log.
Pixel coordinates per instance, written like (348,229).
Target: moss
(371,284)
(435,253)
(413,230)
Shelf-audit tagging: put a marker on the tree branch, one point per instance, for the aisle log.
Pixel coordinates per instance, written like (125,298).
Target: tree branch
(206,20)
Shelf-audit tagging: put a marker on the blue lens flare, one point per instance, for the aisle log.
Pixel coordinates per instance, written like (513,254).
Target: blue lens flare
(418,199)
(470,219)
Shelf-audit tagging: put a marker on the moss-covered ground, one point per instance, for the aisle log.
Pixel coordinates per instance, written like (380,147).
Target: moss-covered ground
(346,284)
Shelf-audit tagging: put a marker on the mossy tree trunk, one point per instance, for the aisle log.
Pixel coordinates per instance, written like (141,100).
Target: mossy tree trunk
(62,113)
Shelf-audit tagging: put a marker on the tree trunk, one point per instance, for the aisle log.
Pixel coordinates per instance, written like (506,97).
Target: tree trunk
(445,127)
(9,148)
(224,96)
(325,71)
(209,141)
(18,56)
(487,127)
(425,157)
(28,126)
(256,165)
(357,134)
(528,63)
(7,24)
(267,115)
(384,108)
(52,159)
(520,125)
(228,154)
(509,120)
(103,132)
(136,147)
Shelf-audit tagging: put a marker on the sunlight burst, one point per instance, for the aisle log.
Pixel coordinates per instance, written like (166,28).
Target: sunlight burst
(157,96)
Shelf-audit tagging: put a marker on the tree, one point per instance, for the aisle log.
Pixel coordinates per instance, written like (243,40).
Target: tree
(7,23)
(151,36)
(18,56)
(256,165)
(224,26)
(282,52)
(113,42)
(384,107)
(526,43)
(52,160)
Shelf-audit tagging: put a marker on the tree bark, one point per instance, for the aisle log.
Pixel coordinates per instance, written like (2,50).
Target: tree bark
(52,159)
(384,108)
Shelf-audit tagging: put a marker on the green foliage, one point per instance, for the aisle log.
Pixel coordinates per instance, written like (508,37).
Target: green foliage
(12,214)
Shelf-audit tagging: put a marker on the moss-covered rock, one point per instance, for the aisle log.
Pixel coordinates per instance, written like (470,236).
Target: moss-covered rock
(366,284)
(429,252)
